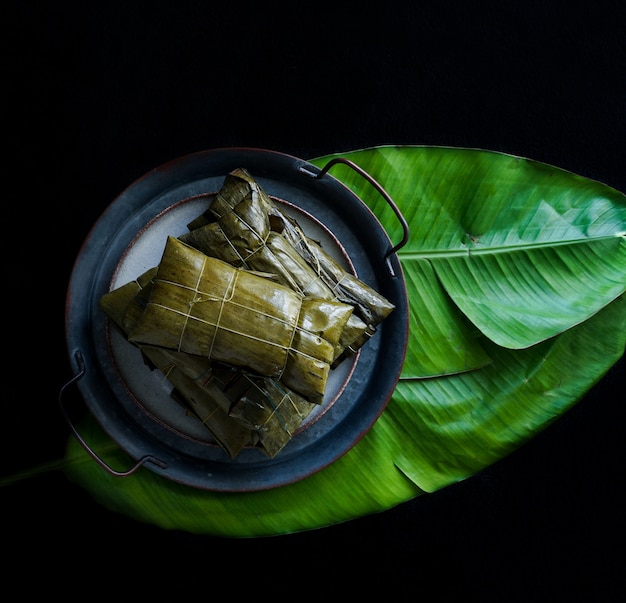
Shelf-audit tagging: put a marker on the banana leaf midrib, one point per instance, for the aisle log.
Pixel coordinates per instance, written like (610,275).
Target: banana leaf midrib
(477,249)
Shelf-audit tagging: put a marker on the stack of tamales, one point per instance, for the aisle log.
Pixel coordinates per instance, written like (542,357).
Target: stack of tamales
(246,316)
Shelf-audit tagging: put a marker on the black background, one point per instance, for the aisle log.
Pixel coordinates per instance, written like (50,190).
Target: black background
(98,94)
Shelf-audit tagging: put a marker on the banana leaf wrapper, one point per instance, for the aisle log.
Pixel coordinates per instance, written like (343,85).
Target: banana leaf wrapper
(243,201)
(203,399)
(265,406)
(238,409)
(239,227)
(204,306)
(369,305)
(123,305)
(275,258)
(238,185)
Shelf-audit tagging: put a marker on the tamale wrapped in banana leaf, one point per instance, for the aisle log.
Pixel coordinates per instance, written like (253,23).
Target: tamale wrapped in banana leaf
(238,185)
(244,227)
(204,306)
(204,400)
(277,259)
(122,306)
(268,408)
(238,409)
(368,304)
(264,406)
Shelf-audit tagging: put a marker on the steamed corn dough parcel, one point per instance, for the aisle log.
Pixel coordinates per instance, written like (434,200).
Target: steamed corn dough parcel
(237,408)
(203,401)
(264,409)
(277,259)
(369,305)
(123,305)
(244,227)
(271,411)
(204,306)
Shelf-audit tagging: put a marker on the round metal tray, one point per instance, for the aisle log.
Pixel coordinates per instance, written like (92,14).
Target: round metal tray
(133,403)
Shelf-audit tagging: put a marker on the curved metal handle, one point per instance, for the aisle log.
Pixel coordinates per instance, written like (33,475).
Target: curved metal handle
(385,195)
(142,461)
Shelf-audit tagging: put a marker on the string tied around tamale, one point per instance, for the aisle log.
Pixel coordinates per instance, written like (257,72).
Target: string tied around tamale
(261,244)
(286,399)
(337,286)
(262,238)
(299,240)
(275,413)
(167,370)
(316,269)
(233,248)
(228,296)
(194,300)
(276,407)
(297,273)
(289,347)
(259,241)
(300,244)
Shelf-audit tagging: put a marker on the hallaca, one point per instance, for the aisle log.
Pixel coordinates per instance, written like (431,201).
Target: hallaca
(239,409)
(204,306)
(244,227)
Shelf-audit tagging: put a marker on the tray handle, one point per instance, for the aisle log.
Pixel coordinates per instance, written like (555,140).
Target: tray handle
(142,461)
(381,190)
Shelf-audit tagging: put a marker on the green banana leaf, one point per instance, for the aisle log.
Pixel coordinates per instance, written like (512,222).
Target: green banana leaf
(516,274)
